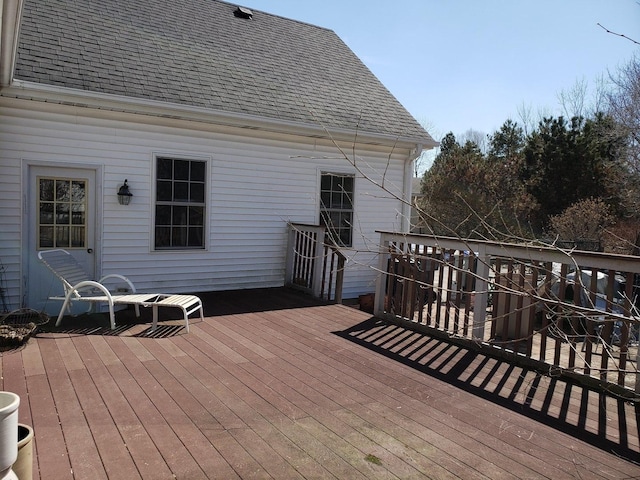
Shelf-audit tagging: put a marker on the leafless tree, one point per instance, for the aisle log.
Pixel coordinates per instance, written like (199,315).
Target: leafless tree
(573,100)
(623,104)
(475,136)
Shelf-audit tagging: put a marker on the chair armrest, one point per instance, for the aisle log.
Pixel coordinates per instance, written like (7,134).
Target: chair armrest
(120,277)
(89,283)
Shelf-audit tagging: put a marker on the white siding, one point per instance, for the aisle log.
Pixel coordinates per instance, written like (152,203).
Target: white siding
(256,185)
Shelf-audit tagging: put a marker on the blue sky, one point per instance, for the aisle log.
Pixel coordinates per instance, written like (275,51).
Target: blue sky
(471,64)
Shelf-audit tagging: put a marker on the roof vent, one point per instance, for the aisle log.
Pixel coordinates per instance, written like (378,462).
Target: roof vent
(242,12)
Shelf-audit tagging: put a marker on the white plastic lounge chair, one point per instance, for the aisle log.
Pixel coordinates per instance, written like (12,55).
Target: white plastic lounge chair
(78,287)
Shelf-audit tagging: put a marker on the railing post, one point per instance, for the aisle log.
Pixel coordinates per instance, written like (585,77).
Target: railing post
(339,280)
(317,264)
(379,299)
(481,296)
(288,268)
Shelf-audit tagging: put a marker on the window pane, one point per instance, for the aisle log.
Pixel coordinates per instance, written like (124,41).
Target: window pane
(62,213)
(77,236)
(345,237)
(195,236)
(196,216)
(179,216)
(46,189)
(347,184)
(46,237)
(180,191)
(163,237)
(62,190)
(62,236)
(78,191)
(197,192)
(181,170)
(336,200)
(163,215)
(165,168)
(179,236)
(198,171)
(77,217)
(325,182)
(163,191)
(46,213)
(325,199)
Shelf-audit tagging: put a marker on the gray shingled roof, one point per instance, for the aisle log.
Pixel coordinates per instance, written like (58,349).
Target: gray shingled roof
(197,53)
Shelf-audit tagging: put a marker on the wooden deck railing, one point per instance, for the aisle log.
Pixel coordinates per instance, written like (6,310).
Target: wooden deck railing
(314,265)
(570,313)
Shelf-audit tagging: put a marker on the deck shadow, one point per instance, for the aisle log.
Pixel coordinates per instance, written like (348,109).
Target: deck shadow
(236,302)
(508,385)
(98,324)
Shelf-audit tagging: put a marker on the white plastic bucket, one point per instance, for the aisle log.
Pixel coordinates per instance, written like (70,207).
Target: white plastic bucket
(9,403)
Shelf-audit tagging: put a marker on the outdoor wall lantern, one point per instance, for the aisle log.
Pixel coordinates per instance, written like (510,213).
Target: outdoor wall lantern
(124,195)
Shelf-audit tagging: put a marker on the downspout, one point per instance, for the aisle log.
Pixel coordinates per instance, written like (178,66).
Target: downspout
(407,193)
(10,11)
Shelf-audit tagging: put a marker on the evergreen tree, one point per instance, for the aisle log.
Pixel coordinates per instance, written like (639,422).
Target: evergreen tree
(565,162)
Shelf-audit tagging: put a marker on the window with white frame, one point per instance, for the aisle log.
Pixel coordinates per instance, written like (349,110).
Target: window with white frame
(180,203)
(336,207)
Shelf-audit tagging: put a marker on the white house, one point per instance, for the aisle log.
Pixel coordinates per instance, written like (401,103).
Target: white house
(225,123)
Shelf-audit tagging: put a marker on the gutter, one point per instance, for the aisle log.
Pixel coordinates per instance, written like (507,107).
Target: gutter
(21,89)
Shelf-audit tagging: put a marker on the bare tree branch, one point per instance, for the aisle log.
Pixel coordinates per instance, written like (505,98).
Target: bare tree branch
(618,34)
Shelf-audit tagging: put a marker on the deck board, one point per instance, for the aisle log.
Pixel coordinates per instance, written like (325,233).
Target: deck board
(274,385)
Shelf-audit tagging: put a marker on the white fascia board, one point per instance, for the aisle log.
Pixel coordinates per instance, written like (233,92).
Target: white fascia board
(102,101)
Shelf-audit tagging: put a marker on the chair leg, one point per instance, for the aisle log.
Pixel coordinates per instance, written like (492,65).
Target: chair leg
(65,306)
(154,324)
(60,315)
(186,319)
(112,316)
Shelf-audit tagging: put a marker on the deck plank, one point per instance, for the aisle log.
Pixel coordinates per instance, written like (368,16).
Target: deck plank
(113,451)
(143,451)
(275,385)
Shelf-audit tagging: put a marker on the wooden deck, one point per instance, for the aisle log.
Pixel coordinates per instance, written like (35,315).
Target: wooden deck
(274,385)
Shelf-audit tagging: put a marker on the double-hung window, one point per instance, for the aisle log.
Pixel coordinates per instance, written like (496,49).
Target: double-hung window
(180,203)
(336,207)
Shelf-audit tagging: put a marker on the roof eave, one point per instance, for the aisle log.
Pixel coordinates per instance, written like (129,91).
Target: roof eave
(102,101)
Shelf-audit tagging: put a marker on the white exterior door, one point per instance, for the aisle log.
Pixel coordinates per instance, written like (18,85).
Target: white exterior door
(61,214)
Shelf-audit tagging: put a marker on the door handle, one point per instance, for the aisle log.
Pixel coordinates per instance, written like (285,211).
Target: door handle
(89,250)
